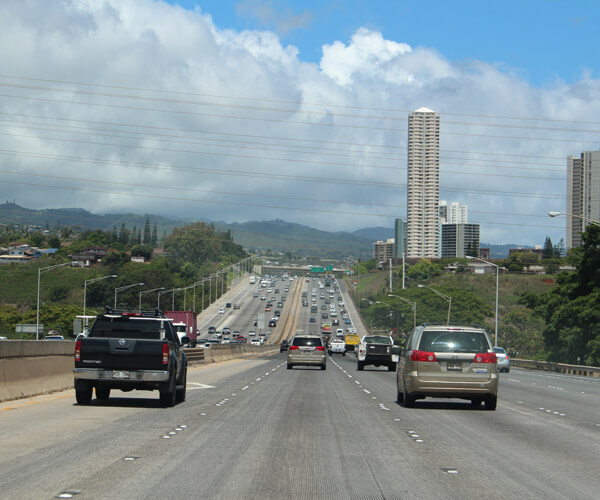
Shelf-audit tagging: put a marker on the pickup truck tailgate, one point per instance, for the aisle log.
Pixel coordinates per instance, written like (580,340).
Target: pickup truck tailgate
(115,354)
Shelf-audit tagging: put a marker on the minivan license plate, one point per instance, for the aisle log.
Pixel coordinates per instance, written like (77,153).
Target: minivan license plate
(455,366)
(120,374)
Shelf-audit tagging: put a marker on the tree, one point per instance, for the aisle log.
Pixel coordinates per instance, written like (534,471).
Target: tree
(36,239)
(154,241)
(147,234)
(548,252)
(142,251)
(124,234)
(54,242)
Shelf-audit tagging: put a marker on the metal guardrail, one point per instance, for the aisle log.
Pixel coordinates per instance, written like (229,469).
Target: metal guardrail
(584,371)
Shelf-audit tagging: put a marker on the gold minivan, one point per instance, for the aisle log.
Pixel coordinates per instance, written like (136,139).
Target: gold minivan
(307,350)
(447,362)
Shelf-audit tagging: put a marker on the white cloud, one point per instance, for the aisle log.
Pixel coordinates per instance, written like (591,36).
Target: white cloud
(325,127)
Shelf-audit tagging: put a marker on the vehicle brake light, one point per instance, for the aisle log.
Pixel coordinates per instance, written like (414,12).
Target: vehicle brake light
(485,357)
(78,350)
(319,348)
(166,352)
(507,357)
(293,348)
(423,356)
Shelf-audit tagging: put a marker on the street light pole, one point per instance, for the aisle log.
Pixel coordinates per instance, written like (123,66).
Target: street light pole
(497,294)
(40,271)
(585,219)
(413,304)
(85,289)
(144,292)
(445,297)
(124,288)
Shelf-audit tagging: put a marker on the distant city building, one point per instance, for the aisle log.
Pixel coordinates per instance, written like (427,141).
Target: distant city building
(383,251)
(460,240)
(484,253)
(583,194)
(455,213)
(423,184)
(400,238)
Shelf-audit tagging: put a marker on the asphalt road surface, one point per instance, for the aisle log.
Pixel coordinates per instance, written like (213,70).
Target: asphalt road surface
(250,429)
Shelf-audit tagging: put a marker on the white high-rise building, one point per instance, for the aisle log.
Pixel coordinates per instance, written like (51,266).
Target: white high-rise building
(456,213)
(423,180)
(583,194)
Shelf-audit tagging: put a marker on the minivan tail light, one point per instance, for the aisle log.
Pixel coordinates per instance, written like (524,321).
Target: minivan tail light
(78,350)
(319,348)
(165,356)
(423,356)
(485,357)
(293,348)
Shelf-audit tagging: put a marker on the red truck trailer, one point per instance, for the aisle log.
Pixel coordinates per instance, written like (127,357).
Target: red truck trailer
(185,323)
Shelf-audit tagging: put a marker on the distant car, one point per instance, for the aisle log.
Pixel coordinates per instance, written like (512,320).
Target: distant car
(312,319)
(225,330)
(335,322)
(228,304)
(54,337)
(255,294)
(251,333)
(255,323)
(503,359)
(284,345)
(236,306)
(263,298)
(324,316)
(272,323)
(347,321)
(221,311)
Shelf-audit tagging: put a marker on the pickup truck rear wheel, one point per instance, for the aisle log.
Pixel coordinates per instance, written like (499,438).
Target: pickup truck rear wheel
(360,365)
(392,367)
(102,393)
(83,392)
(167,397)
(180,396)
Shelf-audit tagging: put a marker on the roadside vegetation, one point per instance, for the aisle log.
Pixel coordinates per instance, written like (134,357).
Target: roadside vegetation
(188,255)
(552,316)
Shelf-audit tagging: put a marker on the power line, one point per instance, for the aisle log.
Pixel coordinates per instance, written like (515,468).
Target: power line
(283,101)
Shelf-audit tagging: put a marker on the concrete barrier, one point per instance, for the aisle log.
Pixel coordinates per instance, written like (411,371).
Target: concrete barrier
(583,371)
(30,368)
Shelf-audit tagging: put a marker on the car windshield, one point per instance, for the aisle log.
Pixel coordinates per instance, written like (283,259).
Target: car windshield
(378,340)
(499,350)
(453,341)
(307,341)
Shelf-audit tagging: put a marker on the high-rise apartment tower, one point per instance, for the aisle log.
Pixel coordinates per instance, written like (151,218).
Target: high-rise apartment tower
(422,220)
(583,194)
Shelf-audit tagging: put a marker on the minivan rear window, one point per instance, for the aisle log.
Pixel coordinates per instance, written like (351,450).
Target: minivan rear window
(307,341)
(452,341)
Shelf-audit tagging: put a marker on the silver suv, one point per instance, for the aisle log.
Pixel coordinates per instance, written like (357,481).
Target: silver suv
(307,350)
(447,362)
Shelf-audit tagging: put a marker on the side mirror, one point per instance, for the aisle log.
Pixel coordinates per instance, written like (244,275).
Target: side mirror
(185,340)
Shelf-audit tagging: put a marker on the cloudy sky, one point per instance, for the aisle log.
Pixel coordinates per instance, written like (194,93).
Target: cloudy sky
(257,110)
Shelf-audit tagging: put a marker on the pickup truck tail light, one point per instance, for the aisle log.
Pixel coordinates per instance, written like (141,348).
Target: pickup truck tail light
(423,356)
(165,356)
(485,357)
(78,350)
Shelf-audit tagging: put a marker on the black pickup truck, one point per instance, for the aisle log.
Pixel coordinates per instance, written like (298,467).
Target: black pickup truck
(127,351)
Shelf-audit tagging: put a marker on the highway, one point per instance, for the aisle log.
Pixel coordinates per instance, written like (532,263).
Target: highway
(250,429)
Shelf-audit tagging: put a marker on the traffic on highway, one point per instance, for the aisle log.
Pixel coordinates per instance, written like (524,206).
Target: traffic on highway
(250,428)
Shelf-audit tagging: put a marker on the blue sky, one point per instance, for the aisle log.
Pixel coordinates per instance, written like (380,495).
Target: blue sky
(542,40)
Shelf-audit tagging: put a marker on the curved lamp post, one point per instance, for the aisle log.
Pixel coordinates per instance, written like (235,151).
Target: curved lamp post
(585,219)
(497,288)
(124,288)
(445,297)
(42,270)
(144,292)
(413,304)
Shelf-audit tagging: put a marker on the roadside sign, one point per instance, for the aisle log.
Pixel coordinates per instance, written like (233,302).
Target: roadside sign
(23,328)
